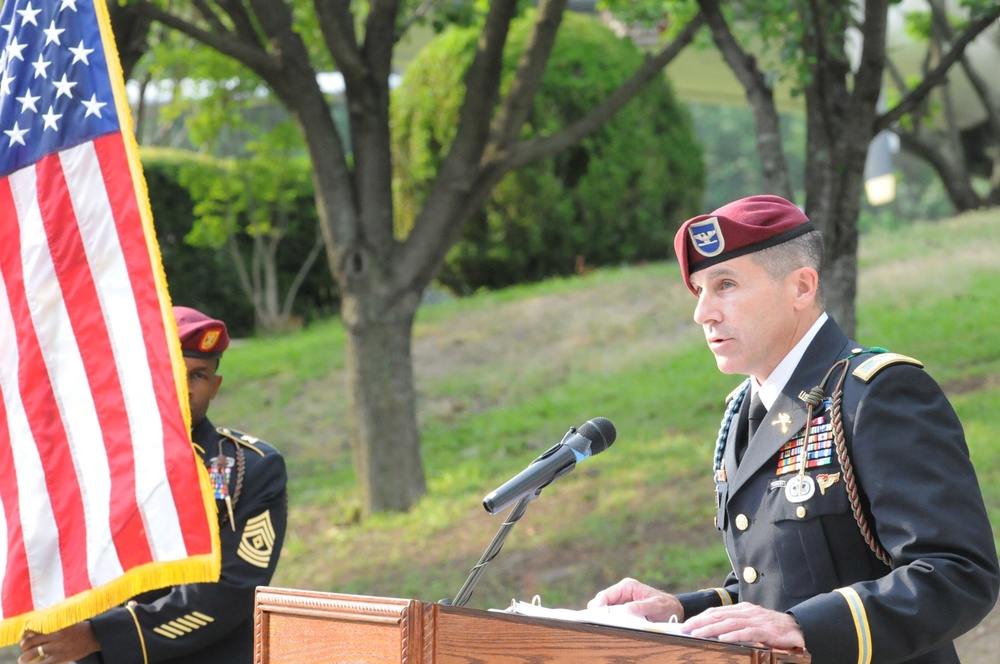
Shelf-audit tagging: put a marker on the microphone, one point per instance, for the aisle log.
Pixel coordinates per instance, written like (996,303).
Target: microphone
(593,437)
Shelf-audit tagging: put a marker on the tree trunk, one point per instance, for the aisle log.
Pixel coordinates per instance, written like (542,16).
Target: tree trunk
(840,272)
(840,120)
(829,208)
(952,174)
(130,25)
(384,440)
(774,167)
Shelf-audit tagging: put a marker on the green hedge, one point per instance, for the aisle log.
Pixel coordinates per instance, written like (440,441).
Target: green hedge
(616,197)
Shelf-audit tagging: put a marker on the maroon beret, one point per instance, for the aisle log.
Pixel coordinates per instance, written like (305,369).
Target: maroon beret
(200,335)
(736,229)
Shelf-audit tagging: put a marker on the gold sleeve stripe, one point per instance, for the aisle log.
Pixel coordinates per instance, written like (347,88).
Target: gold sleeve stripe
(860,617)
(142,641)
(183,625)
(724,595)
(171,628)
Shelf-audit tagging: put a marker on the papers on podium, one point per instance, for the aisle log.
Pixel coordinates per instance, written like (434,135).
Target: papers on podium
(612,616)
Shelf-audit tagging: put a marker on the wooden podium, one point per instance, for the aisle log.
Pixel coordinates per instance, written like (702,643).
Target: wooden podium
(296,626)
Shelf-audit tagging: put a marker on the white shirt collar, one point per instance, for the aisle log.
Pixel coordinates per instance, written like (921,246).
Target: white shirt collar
(772,387)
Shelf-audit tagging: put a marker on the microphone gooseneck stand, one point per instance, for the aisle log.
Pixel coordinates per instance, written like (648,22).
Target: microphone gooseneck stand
(493,549)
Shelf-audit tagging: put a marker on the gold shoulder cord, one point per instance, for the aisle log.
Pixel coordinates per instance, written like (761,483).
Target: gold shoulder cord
(138,628)
(814,400)
(241,464)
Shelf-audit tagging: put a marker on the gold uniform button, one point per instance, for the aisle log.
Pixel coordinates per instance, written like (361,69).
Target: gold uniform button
(742,522)
(749,574)
(800,512)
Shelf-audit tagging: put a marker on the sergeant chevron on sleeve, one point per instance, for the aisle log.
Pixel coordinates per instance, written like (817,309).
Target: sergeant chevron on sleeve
(845,495)
(203,622)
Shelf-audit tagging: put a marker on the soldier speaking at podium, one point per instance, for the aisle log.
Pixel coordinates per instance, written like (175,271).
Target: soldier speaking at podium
(845,495)
(200,622)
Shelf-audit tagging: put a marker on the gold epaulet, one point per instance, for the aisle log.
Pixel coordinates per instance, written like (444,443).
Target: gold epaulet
(241,438)
(870,367)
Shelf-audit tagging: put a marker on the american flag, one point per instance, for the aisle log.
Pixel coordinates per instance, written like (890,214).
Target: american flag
(102,496)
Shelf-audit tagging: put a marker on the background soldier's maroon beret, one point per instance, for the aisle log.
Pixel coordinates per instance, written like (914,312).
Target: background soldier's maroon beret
(201,335)
(736,229)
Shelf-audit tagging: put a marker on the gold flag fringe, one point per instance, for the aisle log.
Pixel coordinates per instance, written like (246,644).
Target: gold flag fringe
(88,604)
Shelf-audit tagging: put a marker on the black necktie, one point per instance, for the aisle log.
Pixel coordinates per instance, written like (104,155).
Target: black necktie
(757,414)
(755,417)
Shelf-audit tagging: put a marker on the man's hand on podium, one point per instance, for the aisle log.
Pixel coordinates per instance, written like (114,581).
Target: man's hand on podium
(747,623)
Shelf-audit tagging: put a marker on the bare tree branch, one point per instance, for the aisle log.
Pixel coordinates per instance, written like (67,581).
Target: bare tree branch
(437,228)
(524,153)
(828,92)
(300,276)
(871,63)
(938,74)
(380,38)
(241,21)
(528,79)
(227,43)
(422,10)
(131,25)
(952,176)
(941,35)
(760,96)
(527,152)
(482,84)
(210,16)
(336,23)
(899,81)
(940,18)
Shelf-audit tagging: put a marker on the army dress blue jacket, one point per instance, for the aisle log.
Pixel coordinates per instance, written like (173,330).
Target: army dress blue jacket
(210,622)
(794,542)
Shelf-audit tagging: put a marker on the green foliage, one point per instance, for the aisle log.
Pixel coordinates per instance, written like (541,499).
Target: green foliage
(199,203)
(918,24)
(266,194)
(207,90)
(783,35)
(732,162)
(200,277)
(616,197)
(650,14)
(456,12)
(977,6)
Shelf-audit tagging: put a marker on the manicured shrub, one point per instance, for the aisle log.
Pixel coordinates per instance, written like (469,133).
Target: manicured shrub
(616,197)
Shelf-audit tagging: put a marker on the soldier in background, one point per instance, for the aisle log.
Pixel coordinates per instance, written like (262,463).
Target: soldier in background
(198,622)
